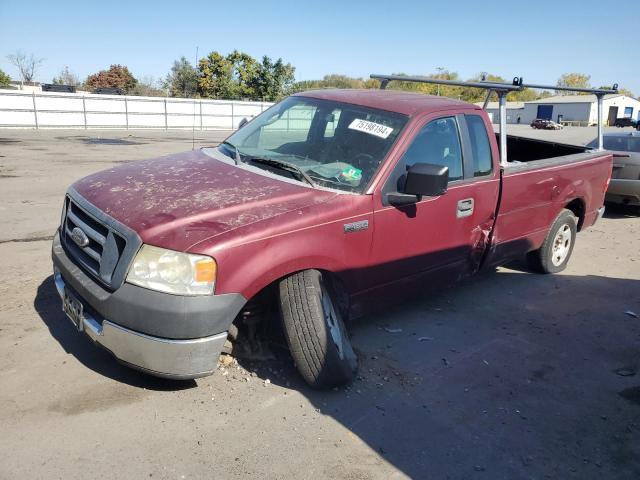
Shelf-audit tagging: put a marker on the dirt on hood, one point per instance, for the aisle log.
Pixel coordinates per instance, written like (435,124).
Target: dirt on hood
(179,200)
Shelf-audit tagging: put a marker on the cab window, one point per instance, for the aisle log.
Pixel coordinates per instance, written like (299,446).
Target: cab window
(438,143)
(480,146)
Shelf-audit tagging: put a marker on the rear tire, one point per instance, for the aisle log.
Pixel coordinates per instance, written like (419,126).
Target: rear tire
(554,254)
(313,325)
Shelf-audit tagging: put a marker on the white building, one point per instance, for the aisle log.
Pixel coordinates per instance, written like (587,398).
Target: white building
(581,109)
(514,111)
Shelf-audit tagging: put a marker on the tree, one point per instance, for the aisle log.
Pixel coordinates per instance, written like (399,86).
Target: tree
(623,91)
(148,86)
(182,80)
(273,80)
(335,80)
(117,76)
(66,77)
(215,77)
(238,75)
(5,80)
(626,92)
(576,80)
(26,65)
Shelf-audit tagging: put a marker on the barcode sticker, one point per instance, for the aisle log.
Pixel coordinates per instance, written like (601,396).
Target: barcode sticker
(371,128)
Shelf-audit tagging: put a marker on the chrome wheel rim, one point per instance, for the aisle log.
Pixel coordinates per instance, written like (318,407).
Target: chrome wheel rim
(561,245)
(332,321)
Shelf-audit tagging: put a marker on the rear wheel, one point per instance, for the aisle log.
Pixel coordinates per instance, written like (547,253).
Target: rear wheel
(315,331)
(554,254)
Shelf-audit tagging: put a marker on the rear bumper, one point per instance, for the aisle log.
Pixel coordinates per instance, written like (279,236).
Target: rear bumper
(625,191)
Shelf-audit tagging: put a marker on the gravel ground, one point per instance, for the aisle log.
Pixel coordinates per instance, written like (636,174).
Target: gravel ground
(509,375)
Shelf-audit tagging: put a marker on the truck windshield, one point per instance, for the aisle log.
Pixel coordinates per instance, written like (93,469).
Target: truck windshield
(338,145)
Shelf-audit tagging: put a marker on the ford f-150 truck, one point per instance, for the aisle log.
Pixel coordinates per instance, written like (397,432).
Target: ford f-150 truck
(326,201)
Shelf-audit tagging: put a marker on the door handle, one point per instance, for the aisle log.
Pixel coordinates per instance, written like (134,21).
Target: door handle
(465,208)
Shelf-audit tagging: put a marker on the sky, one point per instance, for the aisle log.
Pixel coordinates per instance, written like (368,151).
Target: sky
(538,41)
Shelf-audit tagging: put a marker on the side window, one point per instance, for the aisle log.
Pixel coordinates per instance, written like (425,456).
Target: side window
(438,143)
(480,145)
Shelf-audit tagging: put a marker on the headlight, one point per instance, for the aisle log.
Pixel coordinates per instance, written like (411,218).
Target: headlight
(173,272)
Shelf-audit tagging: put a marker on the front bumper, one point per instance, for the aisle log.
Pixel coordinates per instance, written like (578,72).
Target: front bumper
(165,335)
(162,357)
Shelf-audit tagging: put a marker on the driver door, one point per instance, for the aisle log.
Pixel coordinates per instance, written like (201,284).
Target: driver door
(442,237)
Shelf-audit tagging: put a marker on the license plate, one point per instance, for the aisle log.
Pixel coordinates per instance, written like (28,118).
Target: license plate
(73,308)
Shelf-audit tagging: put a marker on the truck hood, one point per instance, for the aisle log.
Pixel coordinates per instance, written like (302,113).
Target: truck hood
(179,200)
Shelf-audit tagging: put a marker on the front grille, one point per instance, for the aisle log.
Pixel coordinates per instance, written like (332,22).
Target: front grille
(110,247)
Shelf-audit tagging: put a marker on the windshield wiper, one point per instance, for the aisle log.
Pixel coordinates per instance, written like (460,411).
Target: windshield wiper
(289,167)
(237,158)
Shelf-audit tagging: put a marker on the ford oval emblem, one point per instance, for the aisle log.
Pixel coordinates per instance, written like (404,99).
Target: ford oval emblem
(79,237)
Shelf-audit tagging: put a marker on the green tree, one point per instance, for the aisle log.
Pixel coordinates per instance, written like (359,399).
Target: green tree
(428,88)
(182,80)
(66,77)
(335,80)
(215,78)
(576,80)
(626,92)
(621,91)
(5,80)
(244,72)
(118,76)
(524,95)
(238,75)
(273,80)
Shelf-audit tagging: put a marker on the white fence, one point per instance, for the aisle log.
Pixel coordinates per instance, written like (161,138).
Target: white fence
(76,110)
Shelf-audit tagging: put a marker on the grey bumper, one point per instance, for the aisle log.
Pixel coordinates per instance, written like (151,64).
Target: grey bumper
(164,335)
(622,190)
(179,359)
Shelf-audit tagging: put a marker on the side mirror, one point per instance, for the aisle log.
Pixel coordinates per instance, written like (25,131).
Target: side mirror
(423,179)
(242,123)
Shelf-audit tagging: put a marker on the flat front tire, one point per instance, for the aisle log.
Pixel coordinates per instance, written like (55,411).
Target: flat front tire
(315,331)
(554,254)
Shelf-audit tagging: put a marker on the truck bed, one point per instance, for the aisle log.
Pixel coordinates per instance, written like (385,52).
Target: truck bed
(524,154)
(540,180)
(522,149)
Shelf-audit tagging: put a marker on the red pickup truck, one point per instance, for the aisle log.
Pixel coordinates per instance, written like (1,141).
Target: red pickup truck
(328,200)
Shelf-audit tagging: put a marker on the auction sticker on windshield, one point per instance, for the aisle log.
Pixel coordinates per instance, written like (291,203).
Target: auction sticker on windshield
(371,128)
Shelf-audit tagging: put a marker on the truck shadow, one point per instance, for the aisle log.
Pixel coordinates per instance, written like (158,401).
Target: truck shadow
(615,210)
(47,304)
(510,375)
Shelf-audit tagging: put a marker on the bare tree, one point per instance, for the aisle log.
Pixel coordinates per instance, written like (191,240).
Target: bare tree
(66,77)
(26,65)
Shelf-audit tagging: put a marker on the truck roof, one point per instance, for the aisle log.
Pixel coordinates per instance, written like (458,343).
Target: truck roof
(407,103)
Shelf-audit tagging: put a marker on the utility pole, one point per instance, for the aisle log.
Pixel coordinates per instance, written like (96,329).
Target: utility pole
(439,69)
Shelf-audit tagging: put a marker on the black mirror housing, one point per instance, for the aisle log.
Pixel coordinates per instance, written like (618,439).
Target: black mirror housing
(426,179)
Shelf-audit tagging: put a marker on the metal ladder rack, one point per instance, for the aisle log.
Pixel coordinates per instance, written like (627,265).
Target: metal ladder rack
(502,89)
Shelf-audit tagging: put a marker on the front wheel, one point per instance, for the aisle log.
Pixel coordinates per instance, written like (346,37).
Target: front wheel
(313,325)
(554,254)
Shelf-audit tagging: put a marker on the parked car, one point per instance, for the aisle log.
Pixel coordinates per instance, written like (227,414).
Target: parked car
(323,206)
(545,124)
(625,177)
(625,122)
